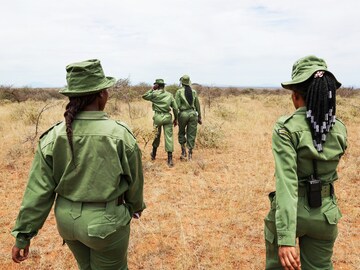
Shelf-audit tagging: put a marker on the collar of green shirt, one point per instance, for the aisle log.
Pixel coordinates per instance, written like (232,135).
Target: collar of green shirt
(92,115)
(301,110)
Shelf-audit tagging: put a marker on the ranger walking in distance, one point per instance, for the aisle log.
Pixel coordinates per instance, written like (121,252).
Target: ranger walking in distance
(189,116)
(162,102)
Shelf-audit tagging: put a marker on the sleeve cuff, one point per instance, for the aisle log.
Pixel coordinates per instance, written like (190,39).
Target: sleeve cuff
(285,238)
(22,242)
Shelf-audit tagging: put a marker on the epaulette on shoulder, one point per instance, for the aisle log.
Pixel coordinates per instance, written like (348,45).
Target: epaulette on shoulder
(126,127)
(47,131)
(284,119)
(340,121)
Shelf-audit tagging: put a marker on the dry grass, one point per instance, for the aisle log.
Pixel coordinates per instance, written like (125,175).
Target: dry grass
(204,214)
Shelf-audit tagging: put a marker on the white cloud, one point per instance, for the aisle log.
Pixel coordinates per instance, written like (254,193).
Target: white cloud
(224,42)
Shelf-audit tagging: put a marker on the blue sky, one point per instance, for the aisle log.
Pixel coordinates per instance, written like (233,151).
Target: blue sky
(216,42)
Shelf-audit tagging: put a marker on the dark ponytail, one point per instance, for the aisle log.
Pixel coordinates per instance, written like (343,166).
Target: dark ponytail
(320,100)
(188,94)
(75,105)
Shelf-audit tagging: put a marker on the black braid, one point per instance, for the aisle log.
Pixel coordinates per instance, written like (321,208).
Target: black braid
(321,107)
(188,94)
(75,105)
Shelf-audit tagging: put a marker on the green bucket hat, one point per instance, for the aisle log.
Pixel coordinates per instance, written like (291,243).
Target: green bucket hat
(304,68)
(84,78)
(159,81)
(185,80)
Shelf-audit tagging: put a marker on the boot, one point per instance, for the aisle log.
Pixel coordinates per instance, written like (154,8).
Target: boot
(170,160)
(190,154)
(183,151)
(153,153)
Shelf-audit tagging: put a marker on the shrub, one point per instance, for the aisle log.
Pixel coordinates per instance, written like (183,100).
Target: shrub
(28,113)
(347,92)
(209,135)
(172,88)
(225,113)
(146,135)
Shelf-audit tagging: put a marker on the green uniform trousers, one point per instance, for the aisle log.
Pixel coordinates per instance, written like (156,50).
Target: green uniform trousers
(96,233)
(316,230)
(163,120)
(188,127)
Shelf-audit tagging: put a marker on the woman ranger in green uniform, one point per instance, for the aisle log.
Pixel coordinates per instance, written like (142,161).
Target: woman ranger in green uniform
(162,102)
(307,147)
(189,115)
(92,166)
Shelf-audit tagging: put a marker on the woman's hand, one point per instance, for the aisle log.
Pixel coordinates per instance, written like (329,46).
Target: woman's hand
(289,258)
(17,256)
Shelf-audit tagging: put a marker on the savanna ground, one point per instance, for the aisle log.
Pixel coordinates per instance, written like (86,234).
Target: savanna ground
(203,214)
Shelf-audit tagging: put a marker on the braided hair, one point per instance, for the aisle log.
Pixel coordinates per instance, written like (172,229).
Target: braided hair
(188,94)
(75,105)
(319,93)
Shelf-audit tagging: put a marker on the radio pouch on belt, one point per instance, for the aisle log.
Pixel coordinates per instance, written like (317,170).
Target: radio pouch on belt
(314,189)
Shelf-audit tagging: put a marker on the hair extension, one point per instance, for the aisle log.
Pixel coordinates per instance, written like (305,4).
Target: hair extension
(321,106)
(188,94)
(75,105)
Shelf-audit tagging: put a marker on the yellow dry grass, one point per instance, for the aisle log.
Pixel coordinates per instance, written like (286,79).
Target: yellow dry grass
(204,214)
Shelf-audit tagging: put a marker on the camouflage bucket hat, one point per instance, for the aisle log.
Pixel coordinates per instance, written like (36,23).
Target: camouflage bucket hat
(159,81)
(304,68)
(84,78)
(185,80)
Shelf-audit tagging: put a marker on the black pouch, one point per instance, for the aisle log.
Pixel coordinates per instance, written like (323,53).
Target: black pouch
(314,192)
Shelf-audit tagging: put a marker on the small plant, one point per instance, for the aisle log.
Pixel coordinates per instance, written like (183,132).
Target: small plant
(145,135)
(210,135)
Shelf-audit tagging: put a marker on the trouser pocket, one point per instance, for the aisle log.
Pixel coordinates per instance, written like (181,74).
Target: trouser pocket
(114,217)
(101,228)
(321,223)
(333,216)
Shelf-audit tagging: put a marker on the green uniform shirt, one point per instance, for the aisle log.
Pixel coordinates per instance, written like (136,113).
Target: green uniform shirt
(162,101)
(108,164)
(183,104)
(294,151)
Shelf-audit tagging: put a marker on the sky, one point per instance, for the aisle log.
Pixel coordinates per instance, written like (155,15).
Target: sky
(216,42)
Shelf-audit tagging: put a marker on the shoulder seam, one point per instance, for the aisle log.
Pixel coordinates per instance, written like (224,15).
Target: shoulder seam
(126,127)
(47,131)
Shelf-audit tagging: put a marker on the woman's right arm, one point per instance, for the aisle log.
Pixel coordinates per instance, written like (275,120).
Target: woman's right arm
(148,95)
(37,201)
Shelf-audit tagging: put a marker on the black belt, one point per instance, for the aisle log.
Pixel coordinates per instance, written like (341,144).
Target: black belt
(120,201)
(326,191)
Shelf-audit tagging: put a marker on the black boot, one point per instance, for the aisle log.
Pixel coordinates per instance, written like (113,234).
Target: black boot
(153,153)
(190,154)
(170,160)
(183,151)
